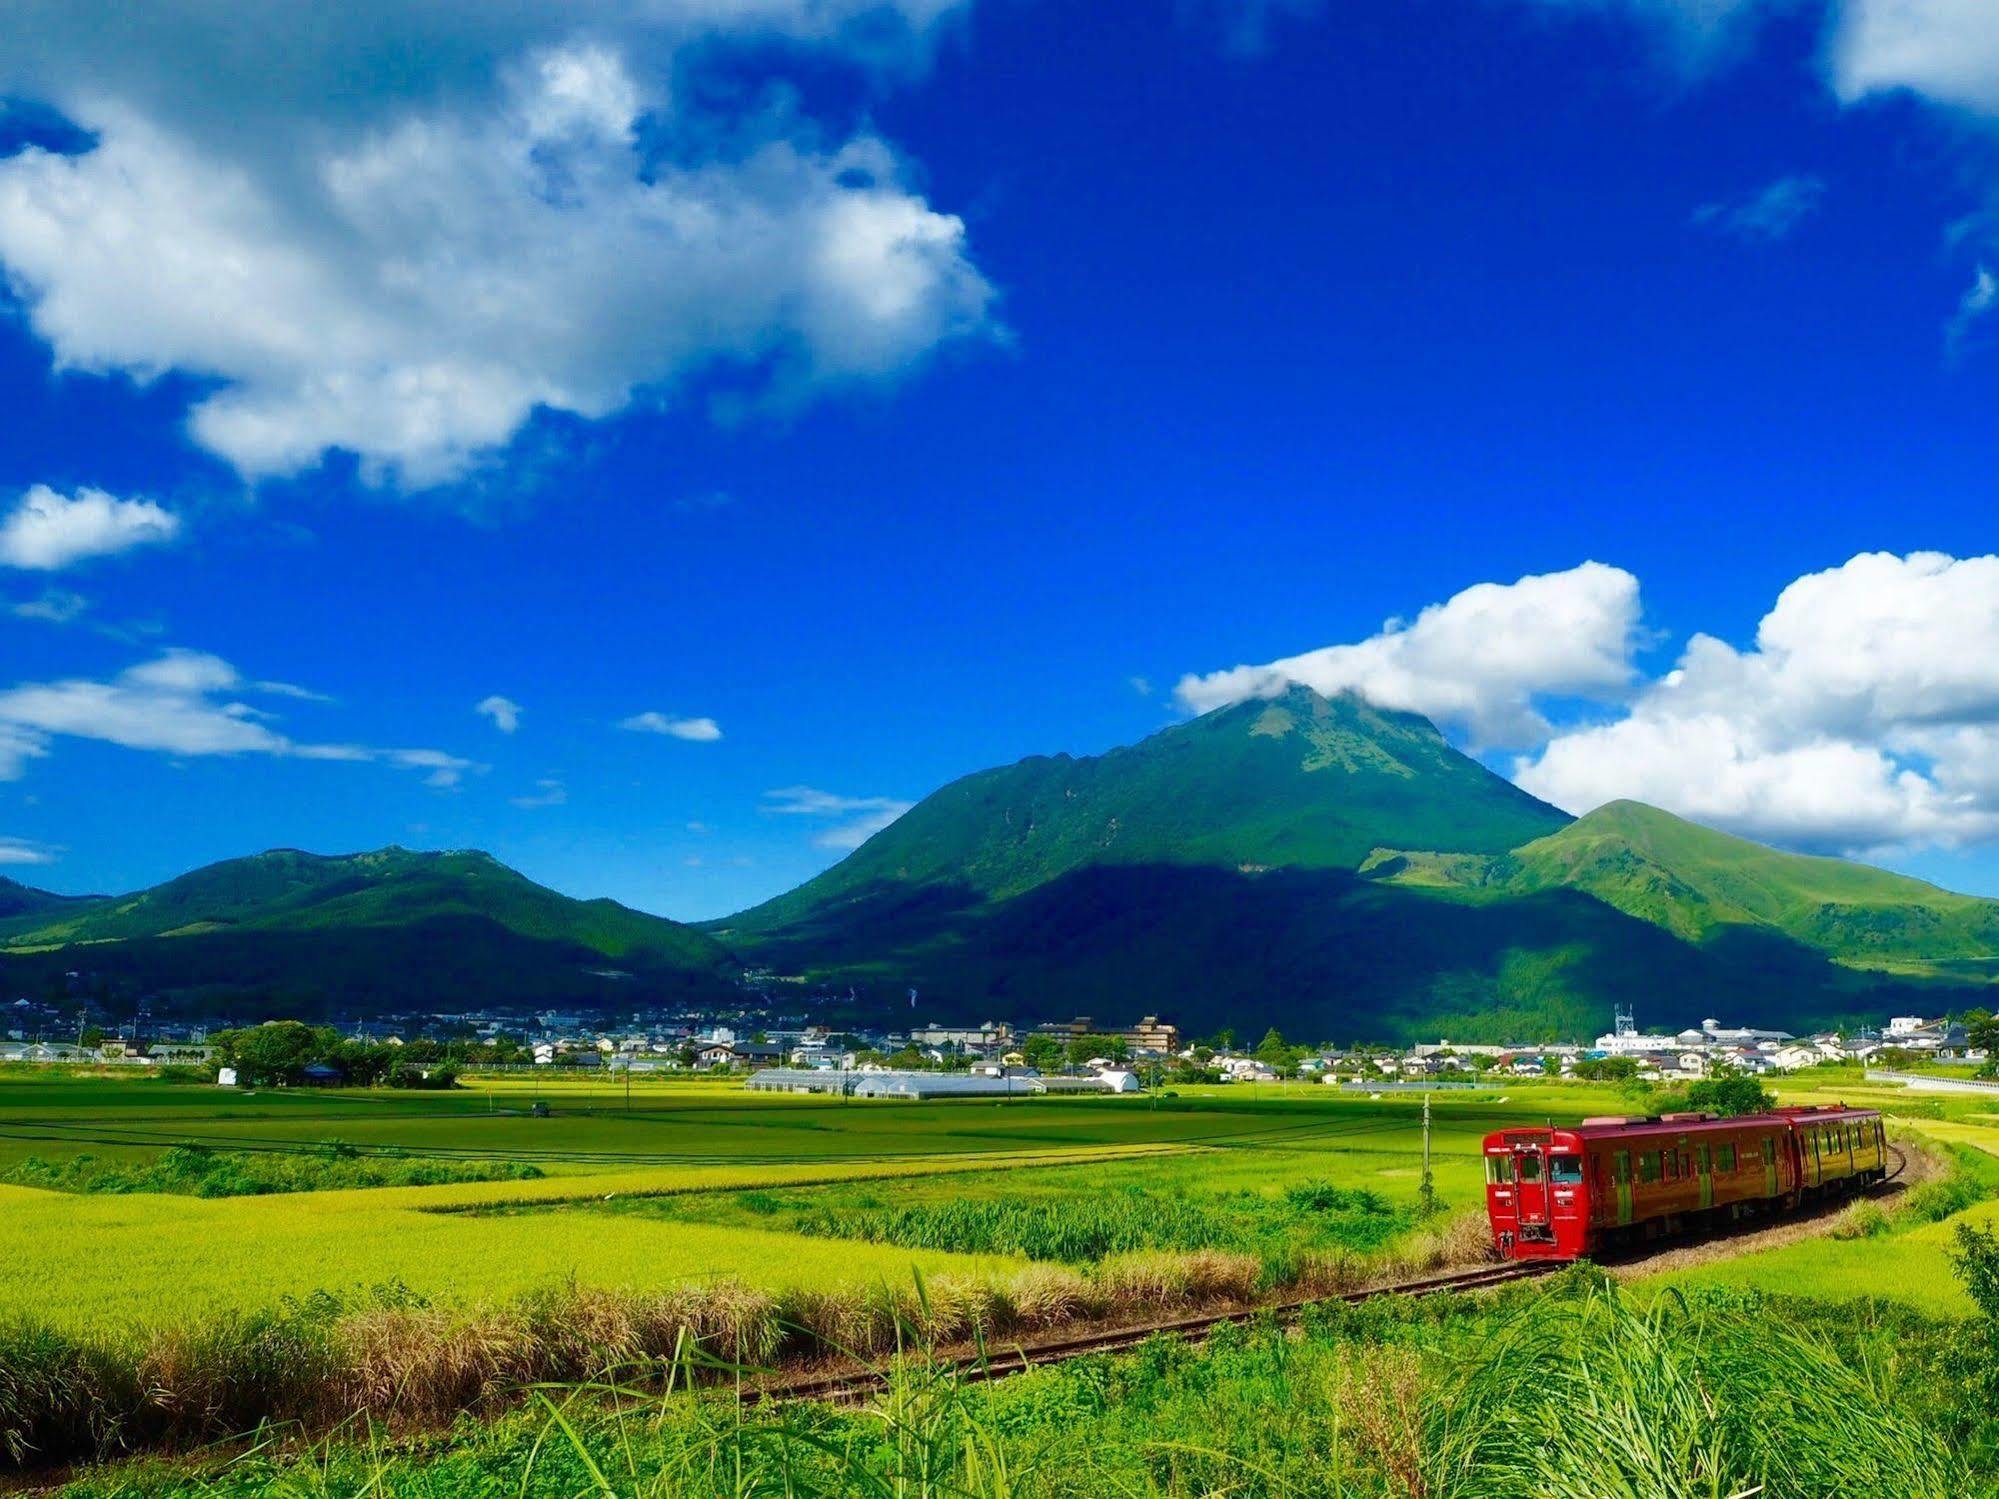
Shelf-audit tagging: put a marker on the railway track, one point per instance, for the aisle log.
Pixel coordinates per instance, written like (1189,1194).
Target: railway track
(859,1384)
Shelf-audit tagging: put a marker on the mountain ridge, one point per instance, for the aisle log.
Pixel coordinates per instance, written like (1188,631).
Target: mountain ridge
(1372,880)
(288,931)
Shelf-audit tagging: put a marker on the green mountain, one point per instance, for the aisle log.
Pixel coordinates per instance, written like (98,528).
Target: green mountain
(1299,782)
(17,899)
(1339,871)
(1708,887)
(294,933)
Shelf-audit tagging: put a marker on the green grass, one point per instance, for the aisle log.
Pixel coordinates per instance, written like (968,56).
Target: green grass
(1567,1393)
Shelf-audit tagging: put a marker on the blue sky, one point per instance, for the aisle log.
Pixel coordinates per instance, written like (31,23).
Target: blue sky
(872,394)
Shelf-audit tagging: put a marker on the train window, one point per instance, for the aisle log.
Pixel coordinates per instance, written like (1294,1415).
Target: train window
(1648,1166)
(1499,1169)
(1769,1151)
(1566,1170)
(1724,1157)
(1530,1168)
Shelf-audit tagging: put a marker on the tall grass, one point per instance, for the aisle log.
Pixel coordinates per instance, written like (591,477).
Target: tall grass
(400,1359)
(1569,1394)
(1679,1400)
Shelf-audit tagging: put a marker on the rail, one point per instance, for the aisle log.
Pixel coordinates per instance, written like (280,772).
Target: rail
(859,1384)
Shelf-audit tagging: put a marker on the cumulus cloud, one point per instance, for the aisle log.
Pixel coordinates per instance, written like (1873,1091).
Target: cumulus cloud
(1945,50)
(695,730)
(48,530)
(1477,661)
(1863,717)
(185,703)
(504,712)
(408,264)
(856,818)
(1769,214)
(25,851)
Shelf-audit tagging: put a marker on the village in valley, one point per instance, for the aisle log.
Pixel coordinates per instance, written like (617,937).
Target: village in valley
(793,1053)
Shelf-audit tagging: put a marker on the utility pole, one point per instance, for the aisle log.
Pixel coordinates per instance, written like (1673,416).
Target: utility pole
(1427,1192)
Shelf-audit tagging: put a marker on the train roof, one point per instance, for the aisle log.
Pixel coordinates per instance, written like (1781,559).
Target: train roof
(1624,1126)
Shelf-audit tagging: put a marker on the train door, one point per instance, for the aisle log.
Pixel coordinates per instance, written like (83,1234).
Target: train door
(1704,1172)
(1620,1178)
(1530,1174)
(1769,1166)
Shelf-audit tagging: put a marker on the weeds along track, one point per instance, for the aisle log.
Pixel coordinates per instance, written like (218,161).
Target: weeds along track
(857,1384)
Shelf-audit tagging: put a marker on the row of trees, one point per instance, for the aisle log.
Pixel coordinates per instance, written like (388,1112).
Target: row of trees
(281,1051)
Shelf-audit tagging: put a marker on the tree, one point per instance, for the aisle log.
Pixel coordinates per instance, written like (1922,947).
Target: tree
(1272,1051)
(1041,1052)
(275,1053)
(1082,1049)
(1981,1029)
(1730,1096)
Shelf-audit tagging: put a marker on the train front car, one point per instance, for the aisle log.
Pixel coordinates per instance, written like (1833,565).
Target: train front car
(1558,1194)
(1537,1194)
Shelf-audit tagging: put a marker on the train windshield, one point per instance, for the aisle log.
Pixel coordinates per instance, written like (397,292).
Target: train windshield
(1499,1168)
(1566,1169)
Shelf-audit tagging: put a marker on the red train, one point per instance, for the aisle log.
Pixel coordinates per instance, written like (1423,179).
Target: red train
(1561,1193)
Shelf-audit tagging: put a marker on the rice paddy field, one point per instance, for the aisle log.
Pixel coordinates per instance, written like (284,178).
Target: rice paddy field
(686,1182)
(148,1223)
(690,1182)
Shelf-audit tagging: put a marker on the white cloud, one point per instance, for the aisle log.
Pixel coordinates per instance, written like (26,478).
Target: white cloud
(548,792)
(407,264)
(1769,214)
(17,747)
(47,530)
(1945,50)
(1479,660)
(504,712)
(696,730)
(1863,717)
(860,817)
(1944,53)
(55,606)
(185,703)
(1972,308)
(26,851)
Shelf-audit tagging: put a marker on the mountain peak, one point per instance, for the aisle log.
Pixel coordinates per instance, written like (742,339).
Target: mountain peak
(1295,780)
